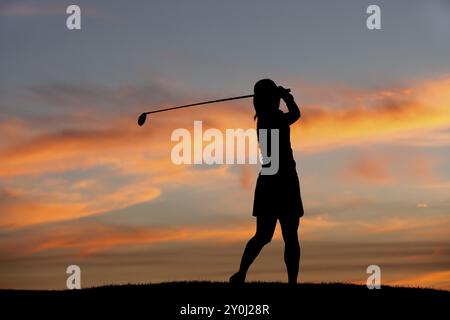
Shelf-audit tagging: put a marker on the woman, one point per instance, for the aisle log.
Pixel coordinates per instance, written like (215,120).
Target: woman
(277,196)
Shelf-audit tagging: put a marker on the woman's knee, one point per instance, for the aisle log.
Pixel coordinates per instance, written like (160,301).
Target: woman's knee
(289,230)
(265,227)
(291,239)
(263,238)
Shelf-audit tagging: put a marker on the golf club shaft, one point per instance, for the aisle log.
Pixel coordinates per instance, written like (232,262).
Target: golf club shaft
(200,103)
(143,116)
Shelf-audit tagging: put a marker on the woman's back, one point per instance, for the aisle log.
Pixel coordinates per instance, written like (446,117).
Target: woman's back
(277,120)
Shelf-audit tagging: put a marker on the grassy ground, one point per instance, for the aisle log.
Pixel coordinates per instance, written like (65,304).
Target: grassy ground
(171,300)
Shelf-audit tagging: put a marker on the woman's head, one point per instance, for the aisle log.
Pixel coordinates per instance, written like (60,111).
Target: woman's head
(266,97)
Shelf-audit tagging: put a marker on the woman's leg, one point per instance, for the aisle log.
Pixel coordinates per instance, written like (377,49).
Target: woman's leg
(265,227)
(289,229)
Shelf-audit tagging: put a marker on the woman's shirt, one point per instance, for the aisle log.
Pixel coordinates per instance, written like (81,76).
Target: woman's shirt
(278,121)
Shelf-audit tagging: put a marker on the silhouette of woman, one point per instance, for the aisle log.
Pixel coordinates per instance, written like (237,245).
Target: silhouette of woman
(277,197)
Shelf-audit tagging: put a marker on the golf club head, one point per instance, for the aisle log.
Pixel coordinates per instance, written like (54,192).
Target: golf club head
(142,118)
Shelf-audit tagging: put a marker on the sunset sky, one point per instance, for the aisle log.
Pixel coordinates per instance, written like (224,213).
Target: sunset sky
(81,183)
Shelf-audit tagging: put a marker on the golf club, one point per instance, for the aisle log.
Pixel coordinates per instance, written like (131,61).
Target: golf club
(143,117)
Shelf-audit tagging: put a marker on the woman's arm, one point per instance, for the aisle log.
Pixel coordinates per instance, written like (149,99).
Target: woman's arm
(293,113)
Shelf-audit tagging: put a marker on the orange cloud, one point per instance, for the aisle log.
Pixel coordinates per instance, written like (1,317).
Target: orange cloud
(401,227)
(421,168)
(321,127)
(376,118)
(131,151)
(18,210)
(381,169)
(437,280)
(372,169)
(87,238)
(69,149)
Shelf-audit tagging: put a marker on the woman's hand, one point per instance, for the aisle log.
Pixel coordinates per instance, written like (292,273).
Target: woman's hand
(285,94)
(294,112)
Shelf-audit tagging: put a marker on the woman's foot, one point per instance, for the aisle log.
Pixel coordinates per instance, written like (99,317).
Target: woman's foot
(237,278)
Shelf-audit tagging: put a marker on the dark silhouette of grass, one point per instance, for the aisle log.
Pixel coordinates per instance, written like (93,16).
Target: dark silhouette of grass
(166,300)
